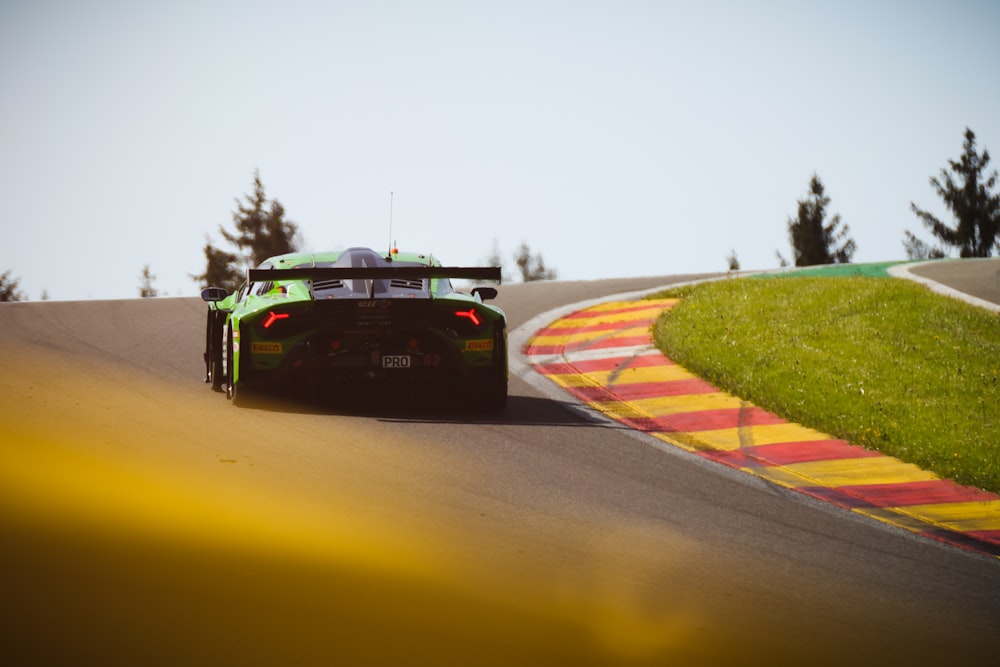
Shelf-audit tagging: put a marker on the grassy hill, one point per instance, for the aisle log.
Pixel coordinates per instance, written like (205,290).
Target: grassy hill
(881,362)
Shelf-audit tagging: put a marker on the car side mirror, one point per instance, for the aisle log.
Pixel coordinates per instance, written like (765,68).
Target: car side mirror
(485,293)
(213,294)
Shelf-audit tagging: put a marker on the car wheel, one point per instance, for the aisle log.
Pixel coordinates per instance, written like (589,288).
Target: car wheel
(496,396)
(214,344)
(216,370)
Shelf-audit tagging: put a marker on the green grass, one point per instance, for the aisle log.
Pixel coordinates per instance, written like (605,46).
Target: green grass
(880,362)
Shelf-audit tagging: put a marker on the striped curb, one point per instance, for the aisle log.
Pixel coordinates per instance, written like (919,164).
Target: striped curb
(605,356)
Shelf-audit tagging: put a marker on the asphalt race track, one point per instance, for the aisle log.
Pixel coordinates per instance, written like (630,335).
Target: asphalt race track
(144,520)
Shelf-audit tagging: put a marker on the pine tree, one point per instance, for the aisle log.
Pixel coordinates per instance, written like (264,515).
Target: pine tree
(260,230)
(968,195)
(9,290)
(815,241)
(532,267)
(917,249)
(222,269)
(146,288)
(732,261)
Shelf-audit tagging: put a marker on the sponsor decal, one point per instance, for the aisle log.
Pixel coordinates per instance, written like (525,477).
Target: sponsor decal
(479,345)
(266,348)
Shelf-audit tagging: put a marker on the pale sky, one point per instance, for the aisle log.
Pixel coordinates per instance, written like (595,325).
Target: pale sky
(618,138)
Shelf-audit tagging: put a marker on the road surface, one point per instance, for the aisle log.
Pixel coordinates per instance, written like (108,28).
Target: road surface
(147,521)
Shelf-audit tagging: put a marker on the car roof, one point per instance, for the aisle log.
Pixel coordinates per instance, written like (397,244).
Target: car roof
(326,258)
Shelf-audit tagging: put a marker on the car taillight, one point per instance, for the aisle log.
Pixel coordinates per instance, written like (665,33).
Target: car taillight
(273,317)
(469,314)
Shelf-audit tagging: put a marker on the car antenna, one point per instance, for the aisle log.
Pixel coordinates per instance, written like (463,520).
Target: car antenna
(391,244)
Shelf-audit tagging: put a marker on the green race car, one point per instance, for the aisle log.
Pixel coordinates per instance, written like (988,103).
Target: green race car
(339,325)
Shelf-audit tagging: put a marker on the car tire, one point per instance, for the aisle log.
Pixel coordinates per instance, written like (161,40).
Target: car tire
(214,343)
(495,398)
(216,373)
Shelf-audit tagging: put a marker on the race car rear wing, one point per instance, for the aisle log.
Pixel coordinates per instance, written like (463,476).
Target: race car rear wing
(371,274)
(377,273)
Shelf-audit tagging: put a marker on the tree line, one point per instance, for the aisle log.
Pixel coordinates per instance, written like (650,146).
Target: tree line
(967,187)
(261,230)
